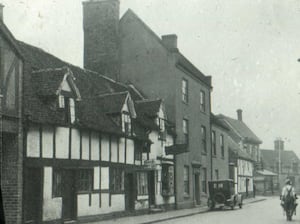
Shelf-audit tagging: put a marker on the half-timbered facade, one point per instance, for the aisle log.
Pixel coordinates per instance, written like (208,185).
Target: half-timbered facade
(87,152)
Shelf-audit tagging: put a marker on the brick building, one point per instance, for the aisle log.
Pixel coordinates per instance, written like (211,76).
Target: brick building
(284,163)
(220,147)
(11,73)
(244,152)
(156,66)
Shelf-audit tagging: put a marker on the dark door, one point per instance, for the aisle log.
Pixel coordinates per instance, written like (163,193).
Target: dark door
(247,187)
(33,195)
(151,187)
(197,189)
(130,192)
(69,195)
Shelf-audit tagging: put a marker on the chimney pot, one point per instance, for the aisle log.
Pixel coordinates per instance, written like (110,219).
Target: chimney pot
(240,114)
(170,41)
(1,12)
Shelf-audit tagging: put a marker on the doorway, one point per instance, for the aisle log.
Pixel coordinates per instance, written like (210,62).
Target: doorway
(130,192)
(151,188)
(33,195)
(69,201)
(247,187)
(197,188)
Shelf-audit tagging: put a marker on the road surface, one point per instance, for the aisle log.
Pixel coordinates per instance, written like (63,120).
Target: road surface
(264,212)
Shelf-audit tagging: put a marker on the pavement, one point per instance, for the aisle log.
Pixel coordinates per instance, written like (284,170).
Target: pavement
(169,215)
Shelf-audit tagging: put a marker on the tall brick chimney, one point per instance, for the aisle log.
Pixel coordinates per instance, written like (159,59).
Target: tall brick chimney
(170,41)
(1,12)
(101,37)
(240,114)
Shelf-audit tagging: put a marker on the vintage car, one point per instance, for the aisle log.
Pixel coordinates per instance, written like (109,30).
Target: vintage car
(222,193)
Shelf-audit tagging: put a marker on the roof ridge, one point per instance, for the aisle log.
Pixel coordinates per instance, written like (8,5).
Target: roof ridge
(48,69)
(112,94)
(148,100)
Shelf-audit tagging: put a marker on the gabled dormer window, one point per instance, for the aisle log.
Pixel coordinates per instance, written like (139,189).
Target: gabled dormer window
(126,123)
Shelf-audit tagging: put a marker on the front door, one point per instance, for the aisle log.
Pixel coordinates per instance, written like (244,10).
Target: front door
(129,192)
(151,187)
(197,189)
(33,195)
(69,195)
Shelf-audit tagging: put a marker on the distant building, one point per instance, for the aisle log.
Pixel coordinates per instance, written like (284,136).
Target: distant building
(135,54)
(282,162)
(244,152)
(220,148)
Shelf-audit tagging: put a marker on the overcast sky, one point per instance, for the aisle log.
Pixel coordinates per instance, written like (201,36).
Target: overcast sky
(249,47)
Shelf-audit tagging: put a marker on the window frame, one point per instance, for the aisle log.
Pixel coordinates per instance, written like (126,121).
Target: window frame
(142,189)
(214,143)
(57,186)
(184,91)
(117,174)
(186,180)
(87,182)
(185,130)
(126,123)
(204,180)
(222,145)
(202,101)
(203,139)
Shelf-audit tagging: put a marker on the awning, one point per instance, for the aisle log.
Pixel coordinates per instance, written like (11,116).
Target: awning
(266,173)
(176,149)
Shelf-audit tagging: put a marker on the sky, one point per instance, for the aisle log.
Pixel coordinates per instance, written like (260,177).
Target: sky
(249,47)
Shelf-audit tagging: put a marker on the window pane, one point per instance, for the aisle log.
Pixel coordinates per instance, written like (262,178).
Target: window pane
(85,180)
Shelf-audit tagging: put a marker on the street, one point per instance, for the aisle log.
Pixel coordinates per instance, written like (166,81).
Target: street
(268,211)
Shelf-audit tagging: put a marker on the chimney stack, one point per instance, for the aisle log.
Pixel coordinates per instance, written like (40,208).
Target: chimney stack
(240,114)
(170,41)
(101,37)
(279,144)
(1,12)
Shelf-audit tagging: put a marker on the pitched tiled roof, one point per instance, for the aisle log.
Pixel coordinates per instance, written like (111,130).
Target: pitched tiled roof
(235,149)
(218,122)
(148,107)
(271,156)
(111,103)
(46,82)
(147,112)
(100,95)
(239,130)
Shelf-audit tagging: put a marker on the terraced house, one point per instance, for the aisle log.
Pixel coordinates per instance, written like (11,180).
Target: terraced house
(129,51)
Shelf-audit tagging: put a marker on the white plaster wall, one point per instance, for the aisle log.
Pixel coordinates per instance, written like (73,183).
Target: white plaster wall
(62,143)
(105,148)
(75,153)
(117,204)
(47,142)
(52,207)
(122,150)
(156,148)
(104,178)
(114,150)
(95,146)
(85,146)
(33,142)
(130,152)
(96,177)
